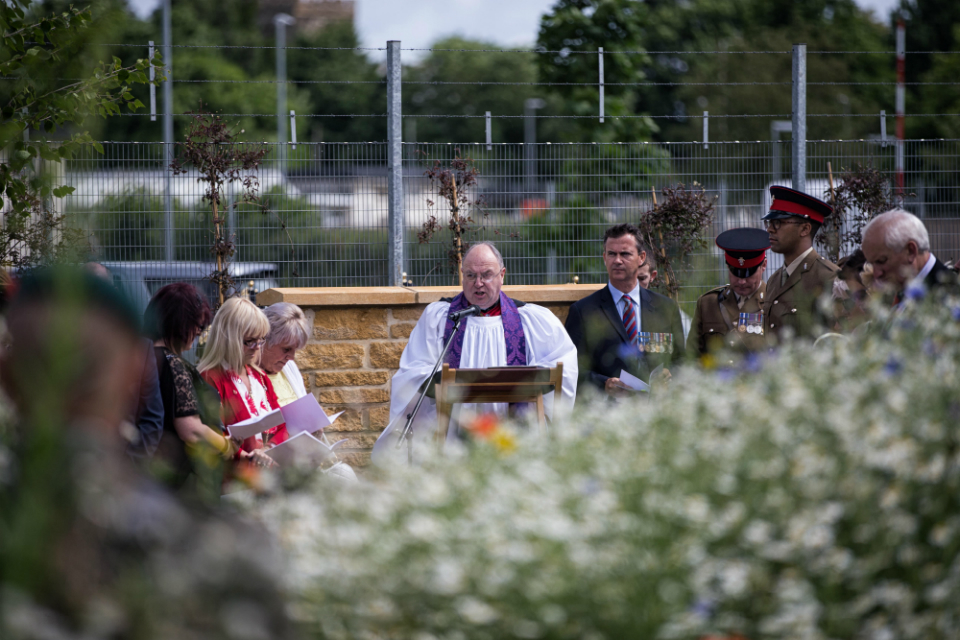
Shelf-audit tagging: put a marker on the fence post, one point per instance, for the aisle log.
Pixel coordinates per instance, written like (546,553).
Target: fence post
(706,129)
(901,99)
(601,83)
(530,106)
(489,132)
(167,136)
(293,129)
(799,119)
(153,87)
(394,164)
(280,23)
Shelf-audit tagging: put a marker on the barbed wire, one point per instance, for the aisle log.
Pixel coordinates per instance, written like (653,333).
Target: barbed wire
(160,45)
(571,84)
(538,51)
(548,117)
(541,84)
(478,143)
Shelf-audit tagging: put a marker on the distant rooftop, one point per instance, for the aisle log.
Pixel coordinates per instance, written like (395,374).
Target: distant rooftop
(311,15)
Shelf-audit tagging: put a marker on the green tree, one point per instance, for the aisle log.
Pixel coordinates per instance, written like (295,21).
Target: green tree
(585,25)
(422,96)
(931,25)
(719,25)
(223,63)
(317,68)
(35,51)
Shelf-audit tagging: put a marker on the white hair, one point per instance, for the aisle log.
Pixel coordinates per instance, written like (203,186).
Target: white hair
(288,325)
(898,227)
(488,245)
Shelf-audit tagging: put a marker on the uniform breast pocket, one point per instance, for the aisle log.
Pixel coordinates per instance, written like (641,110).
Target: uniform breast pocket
(712,336)
(714,329)
(782,314)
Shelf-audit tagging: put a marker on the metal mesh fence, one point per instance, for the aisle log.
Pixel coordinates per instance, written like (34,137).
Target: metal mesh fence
(546,206)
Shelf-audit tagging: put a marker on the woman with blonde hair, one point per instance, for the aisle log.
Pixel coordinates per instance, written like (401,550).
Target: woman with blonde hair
(231,362)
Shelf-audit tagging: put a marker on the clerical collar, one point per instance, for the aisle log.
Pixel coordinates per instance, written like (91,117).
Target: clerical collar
(491,311)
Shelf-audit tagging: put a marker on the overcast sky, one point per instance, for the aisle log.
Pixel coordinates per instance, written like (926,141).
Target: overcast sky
(419,23)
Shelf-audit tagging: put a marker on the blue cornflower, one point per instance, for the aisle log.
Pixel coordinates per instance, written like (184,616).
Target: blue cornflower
(752,363)
(726,374)
(703,608)
(590,486)
(915,291)
(892,367)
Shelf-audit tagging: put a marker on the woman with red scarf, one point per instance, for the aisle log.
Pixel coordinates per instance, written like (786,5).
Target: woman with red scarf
(231,363)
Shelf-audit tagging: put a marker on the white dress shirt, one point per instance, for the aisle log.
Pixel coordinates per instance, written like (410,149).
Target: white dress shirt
(927,268)
(621,305)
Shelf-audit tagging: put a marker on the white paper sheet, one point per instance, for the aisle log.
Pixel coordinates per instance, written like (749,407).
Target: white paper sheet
(253,426)
(302,450)
(301,415)
(305,414)
(633,381)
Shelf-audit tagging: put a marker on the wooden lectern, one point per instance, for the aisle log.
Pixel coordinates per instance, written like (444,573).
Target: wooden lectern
(499,384)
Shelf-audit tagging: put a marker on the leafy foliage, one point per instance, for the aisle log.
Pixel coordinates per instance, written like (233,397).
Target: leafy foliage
(40,237)
(674,228)
(453,63)
(931,26)
(34,50)
(862,194)
(210,147)
(649,81)
(586,25)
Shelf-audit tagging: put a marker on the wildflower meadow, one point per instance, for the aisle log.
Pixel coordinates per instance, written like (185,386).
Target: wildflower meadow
(810,493)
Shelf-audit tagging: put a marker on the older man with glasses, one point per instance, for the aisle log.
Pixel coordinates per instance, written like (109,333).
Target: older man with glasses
(791,308)
(505,332)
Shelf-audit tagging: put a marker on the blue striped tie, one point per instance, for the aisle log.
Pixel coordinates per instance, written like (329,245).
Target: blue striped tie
(630,319)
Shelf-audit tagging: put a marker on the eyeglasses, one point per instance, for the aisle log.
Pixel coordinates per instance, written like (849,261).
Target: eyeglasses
(776,224)
(486,277)
(254,343)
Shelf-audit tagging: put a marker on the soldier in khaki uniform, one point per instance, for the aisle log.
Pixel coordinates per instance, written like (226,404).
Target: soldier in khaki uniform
(730,316)
(791,307)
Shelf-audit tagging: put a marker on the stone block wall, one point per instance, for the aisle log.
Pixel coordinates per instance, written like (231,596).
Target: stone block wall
(358,337)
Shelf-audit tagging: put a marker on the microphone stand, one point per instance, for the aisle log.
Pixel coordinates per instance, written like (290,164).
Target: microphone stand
(407,433)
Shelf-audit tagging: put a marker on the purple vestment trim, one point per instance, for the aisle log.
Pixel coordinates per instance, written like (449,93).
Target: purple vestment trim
(512,331)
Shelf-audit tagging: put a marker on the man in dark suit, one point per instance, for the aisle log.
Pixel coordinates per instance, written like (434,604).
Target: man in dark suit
(624,327)
(897,244)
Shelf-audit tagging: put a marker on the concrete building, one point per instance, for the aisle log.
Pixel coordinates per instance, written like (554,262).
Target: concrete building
(311,15)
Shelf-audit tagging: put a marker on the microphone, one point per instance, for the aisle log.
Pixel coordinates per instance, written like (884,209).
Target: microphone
(472,310)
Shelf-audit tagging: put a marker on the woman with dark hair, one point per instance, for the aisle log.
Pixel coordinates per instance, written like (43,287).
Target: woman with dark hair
(194,438)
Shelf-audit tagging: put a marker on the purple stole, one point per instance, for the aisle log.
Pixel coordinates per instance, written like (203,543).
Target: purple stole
(512,330)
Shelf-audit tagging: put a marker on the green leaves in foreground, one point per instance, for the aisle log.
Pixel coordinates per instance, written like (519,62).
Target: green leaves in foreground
(33,51)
